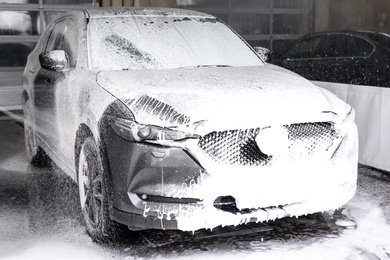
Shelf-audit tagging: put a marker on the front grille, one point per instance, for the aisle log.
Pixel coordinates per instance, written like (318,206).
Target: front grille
(238,147)
(310,138)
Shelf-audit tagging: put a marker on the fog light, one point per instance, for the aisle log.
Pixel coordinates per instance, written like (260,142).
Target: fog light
(144,132)
(161,199)
(226,203)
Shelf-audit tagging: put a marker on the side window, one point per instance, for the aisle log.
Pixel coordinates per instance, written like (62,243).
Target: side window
(332,46)
(303,49)
(343,46)
(64,37)
(42,42)
(56,36)
(69,41)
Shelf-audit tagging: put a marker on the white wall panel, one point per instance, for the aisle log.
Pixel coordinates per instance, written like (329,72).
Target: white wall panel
(372,107)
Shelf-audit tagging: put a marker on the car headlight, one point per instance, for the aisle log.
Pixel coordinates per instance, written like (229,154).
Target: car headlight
(350,118)
(346,124)
(133,131)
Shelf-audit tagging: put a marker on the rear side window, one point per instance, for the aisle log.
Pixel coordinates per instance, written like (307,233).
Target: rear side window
(359,47)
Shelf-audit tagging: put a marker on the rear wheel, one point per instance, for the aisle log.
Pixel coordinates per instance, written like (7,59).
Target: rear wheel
(93,191)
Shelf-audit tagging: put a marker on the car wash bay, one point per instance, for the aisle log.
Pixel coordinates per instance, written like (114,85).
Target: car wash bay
(40,219)
(39,208)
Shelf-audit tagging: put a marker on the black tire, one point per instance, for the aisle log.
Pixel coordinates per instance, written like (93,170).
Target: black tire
(35,155)
(94,195)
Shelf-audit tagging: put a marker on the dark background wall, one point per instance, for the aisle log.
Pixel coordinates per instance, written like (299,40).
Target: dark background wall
(352,14)
(268,23)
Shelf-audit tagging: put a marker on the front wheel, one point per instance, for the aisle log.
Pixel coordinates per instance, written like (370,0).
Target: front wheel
(93,191)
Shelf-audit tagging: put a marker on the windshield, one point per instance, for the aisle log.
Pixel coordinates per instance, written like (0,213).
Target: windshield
(164,42)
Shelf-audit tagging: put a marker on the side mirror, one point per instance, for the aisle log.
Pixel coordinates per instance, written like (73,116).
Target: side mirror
(263,53)
(56,60)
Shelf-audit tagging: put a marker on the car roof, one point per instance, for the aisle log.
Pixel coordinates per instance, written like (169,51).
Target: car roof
(352,32)
(133,11)
(377,37)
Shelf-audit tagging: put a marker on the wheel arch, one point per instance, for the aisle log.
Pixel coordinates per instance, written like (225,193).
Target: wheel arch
(83,132)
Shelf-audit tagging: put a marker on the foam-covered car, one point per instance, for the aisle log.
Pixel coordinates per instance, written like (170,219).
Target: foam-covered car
(167,119)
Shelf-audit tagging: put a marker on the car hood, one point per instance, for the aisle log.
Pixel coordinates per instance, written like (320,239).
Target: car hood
(222,97)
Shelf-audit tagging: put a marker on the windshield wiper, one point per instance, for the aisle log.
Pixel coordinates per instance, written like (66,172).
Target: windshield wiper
(206,66)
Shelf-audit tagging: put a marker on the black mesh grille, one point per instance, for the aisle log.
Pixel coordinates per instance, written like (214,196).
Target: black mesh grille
(238,147)
(309,138)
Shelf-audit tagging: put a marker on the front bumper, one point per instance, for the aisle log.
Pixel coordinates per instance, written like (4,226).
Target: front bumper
(158,187)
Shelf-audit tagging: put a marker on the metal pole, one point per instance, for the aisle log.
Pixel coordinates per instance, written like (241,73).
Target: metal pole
(271,26)
(41,18)
(230,12)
